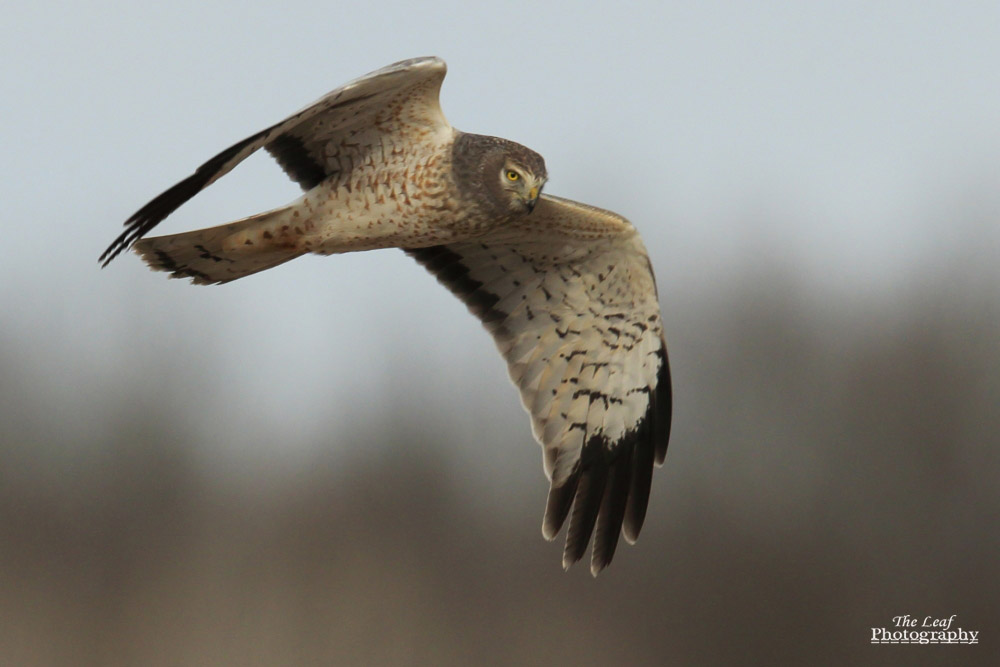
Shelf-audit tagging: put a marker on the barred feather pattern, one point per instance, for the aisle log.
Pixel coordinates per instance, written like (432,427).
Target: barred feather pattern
(573,309)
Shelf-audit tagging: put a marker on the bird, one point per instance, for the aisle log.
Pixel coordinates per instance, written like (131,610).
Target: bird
(566,290)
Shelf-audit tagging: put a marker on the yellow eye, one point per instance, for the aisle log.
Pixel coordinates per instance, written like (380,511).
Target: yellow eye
(512,175)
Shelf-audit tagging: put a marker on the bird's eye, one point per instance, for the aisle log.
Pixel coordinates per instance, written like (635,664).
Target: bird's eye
(512,175)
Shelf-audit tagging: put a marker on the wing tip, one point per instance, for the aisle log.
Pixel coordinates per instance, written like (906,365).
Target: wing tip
(586,509)
(558,504)
(135,227)
(609,496)
(168,201)
(612,513)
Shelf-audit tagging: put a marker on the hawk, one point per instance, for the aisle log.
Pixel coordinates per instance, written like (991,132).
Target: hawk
(565,289)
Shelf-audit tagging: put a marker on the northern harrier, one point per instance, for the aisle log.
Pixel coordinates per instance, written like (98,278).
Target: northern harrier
(565,289)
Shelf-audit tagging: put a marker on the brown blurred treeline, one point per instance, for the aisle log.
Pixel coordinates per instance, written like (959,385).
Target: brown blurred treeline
(835,463)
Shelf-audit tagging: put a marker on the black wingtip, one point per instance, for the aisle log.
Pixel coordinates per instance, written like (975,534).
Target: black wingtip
(171,199)
(609,521)
(589,495)
(115,249)
(650,450)
(639,487)
(557,506)
(154,212)
(610,492)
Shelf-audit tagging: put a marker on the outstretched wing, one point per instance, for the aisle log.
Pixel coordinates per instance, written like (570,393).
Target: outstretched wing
(399,99)
(569,296)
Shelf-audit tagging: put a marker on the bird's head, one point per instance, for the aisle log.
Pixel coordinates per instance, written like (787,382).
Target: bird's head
(504,178)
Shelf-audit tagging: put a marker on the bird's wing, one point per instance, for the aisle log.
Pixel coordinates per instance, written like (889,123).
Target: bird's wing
(569,296)
(399,99)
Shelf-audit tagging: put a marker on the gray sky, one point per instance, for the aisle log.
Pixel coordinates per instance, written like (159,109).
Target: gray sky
(841,140)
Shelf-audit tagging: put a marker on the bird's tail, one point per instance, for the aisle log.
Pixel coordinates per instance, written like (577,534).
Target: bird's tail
(227,252)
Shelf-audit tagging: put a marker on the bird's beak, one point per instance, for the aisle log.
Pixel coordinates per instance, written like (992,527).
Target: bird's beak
(532,199)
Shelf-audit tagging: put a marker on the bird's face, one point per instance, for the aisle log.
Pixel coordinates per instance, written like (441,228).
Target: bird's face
(521,185)
(501,178)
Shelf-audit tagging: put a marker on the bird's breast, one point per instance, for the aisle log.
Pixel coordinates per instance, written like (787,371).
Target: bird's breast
(382,196)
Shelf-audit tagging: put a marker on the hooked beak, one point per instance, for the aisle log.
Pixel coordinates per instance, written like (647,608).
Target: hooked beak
(532,198)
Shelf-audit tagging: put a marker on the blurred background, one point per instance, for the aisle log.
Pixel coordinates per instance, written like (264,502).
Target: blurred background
(326,464)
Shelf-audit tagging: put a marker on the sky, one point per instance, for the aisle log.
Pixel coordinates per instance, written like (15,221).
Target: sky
(327,458)
(838,141)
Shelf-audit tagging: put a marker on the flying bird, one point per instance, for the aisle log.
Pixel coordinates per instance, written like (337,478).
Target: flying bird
(565,289)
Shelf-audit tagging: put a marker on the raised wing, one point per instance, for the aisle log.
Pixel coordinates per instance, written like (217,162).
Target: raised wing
(570,299)
(397,99)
